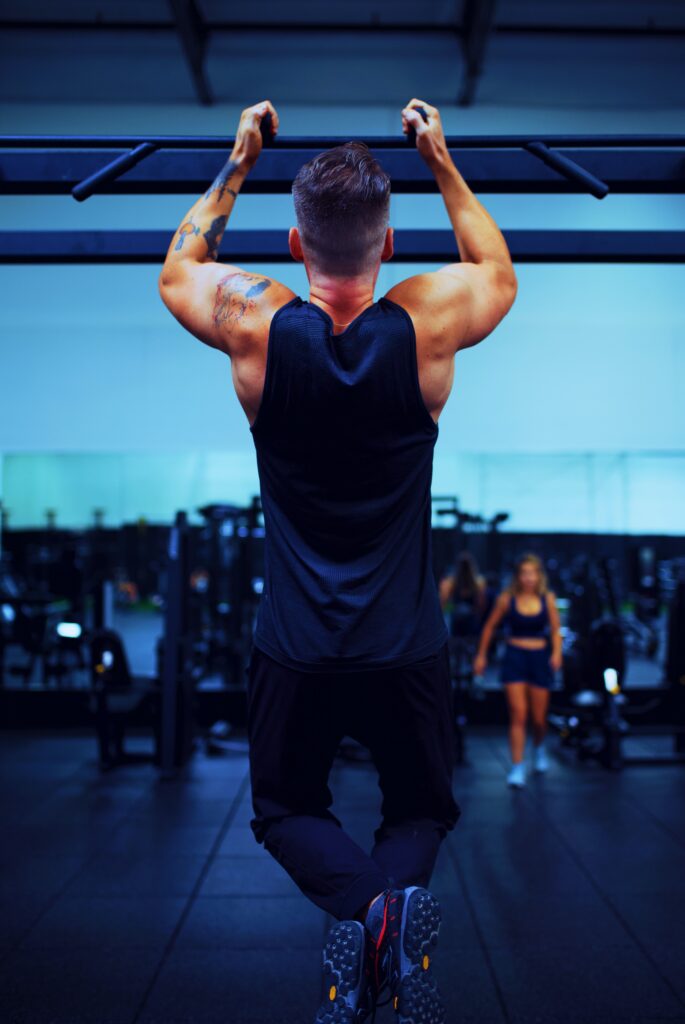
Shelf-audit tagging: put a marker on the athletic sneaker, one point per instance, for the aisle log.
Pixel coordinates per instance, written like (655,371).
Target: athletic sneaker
(349,996)
(540,762)
(404,927)
(517,775)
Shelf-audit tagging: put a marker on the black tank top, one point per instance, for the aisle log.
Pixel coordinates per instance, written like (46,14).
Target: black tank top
(533,626)
(344,448)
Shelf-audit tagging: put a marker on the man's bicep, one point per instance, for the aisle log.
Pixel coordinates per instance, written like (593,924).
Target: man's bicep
(215,302)
(482,295)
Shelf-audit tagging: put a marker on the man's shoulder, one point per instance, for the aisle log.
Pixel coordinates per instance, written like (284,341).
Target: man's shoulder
(224,306)
(432,302)
(424,291)
(412,294)
(247,303)
(247,299)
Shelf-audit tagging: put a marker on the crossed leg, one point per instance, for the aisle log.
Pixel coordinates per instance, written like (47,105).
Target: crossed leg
(295,724)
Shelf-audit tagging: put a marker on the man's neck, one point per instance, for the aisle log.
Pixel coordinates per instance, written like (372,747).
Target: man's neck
(342,298)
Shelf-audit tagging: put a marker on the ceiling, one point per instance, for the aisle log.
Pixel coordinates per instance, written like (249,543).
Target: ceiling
(477,50)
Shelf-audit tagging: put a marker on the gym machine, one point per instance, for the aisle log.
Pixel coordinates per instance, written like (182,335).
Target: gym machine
(463,631)
(595,715)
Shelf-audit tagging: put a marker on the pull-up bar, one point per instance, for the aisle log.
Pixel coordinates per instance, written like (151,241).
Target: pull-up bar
(35,165)
(319,143)
(568,168)
(162,165)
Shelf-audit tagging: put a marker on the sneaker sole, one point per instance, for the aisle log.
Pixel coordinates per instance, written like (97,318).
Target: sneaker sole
(418,998)
(342,967)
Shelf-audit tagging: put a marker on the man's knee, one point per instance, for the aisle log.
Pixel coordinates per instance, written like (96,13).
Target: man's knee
(429,830)
(270,830)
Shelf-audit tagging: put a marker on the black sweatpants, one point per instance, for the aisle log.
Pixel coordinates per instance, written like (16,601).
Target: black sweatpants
(296,721)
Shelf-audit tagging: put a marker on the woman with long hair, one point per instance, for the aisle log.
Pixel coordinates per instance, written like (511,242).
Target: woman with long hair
(462,593)
(528,610)
(463,600)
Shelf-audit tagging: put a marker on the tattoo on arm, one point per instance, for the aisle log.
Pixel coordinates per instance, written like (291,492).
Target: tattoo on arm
(189,228)
(235,296)
(220,183)
(213,236)
(215,231)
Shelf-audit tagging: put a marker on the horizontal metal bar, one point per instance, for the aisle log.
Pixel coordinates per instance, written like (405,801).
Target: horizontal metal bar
(597,246)
(549,28)
(326,142)
(187,171)
(415,28)
(423,28)
(411,246)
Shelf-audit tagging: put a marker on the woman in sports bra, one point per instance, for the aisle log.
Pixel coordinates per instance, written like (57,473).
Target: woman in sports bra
(528,611)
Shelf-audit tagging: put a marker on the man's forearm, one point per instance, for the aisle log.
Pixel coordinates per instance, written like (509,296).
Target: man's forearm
(477,234)
(201,230)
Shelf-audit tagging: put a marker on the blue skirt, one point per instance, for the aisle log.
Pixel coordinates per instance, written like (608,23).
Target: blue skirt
(527,666)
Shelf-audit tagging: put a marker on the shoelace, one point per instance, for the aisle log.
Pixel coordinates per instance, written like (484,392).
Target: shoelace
(376,957)
(377,1004)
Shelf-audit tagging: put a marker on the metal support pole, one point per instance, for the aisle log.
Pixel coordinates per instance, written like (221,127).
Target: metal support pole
(477,25)
(111,171)
(570,170)
(175,625)
(193,35)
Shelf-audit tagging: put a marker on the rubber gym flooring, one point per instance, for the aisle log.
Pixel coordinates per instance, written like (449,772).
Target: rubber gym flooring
(126,899)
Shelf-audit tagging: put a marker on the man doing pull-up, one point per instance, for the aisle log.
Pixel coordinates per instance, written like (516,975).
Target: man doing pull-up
(343,394)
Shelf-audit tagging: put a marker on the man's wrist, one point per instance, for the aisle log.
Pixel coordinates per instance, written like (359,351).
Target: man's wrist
(442,165)
(241,163)
(229,179)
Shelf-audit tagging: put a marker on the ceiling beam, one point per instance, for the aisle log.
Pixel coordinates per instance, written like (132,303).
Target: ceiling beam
(476,27)
(193,36)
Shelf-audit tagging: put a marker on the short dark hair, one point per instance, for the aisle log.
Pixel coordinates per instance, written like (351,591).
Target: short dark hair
(342,205)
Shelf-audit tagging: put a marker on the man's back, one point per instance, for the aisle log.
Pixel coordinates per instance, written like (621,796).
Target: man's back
(344,450)
(451,309)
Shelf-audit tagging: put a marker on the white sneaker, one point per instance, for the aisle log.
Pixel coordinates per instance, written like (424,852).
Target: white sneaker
(540,762)
(517,775)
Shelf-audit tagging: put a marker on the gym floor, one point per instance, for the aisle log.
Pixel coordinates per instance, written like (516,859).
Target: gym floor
(127,900)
